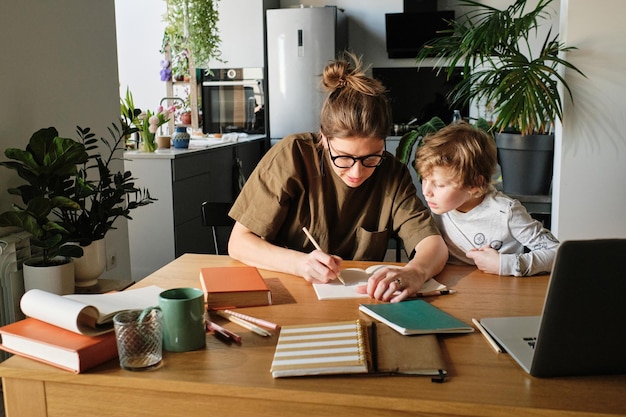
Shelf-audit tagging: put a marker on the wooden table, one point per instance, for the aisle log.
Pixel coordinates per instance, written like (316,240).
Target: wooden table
(235,380)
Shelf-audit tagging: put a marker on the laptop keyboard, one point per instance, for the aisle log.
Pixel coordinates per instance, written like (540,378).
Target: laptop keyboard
(531,341)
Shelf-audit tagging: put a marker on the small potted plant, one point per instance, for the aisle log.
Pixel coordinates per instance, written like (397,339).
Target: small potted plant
(103,195)
(48,165)
(146,123)
(520,85)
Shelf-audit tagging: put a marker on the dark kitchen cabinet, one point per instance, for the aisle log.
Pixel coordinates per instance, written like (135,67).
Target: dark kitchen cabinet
(181,181)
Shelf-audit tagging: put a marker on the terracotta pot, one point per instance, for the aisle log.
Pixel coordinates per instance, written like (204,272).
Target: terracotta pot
(185,118)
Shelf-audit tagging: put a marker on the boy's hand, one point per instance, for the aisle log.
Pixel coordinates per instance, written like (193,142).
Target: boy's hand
(486,259)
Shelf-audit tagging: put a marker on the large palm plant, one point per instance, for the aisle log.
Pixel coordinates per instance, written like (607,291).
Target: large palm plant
(500,67)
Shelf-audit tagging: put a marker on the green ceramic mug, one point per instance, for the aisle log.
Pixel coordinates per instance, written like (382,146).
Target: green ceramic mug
(183,319)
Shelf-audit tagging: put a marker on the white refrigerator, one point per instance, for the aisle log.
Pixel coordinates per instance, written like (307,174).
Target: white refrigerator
(300,42)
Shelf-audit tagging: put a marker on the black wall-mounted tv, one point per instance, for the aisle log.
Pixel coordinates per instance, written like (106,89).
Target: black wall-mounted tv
(407,32)
(419,93)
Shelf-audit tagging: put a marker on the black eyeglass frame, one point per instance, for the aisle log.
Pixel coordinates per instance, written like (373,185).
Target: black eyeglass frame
(359,158)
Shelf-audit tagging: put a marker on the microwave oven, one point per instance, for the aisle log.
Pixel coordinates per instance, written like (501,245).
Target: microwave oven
(233,100)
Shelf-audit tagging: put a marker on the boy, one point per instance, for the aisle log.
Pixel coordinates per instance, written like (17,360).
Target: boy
(480,225)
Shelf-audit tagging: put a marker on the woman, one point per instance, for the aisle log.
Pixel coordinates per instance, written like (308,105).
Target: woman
(342,185)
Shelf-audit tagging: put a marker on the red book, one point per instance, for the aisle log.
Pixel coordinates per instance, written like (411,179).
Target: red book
(55,346)
(232,287)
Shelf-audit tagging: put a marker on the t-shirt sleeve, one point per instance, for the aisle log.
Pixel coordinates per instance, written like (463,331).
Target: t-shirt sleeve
(258,206)
(269,193)
(541,243)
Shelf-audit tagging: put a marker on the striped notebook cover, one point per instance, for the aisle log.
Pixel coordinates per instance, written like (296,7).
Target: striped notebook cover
(321,349)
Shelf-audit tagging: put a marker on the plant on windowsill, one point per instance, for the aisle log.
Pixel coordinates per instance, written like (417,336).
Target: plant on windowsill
(502,70)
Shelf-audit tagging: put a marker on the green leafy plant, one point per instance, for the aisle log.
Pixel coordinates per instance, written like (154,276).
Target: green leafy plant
(500,67)
(407,141)
(145,122)
(102,195)
(192,26)
(48,165)
(404,151)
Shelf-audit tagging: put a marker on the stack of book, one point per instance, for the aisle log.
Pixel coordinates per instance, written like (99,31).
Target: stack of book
(72,332)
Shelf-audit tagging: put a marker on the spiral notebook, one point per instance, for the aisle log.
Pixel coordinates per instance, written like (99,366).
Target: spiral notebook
(354,347)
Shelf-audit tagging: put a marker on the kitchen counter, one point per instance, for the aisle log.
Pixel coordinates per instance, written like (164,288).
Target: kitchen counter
(195,144)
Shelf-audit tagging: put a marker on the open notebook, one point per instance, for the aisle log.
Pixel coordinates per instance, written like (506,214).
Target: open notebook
(357,277)
(581,328)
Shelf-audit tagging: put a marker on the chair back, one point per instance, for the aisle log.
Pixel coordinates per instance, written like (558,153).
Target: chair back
(216,215)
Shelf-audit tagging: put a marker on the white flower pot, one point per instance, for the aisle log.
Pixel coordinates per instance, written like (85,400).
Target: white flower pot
(57,279)
(91,265)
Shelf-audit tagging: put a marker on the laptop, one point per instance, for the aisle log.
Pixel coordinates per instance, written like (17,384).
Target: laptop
(581,328)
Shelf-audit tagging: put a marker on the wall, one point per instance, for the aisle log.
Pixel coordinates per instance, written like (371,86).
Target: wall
(59,68)
(590,164)
(140,28)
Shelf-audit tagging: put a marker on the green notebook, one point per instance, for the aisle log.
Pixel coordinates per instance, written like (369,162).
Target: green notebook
(415,317)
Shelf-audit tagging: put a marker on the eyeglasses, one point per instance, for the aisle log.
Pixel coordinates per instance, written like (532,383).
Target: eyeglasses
(345,161)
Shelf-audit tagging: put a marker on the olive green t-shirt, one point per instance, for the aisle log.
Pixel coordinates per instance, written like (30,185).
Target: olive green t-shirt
(294,186)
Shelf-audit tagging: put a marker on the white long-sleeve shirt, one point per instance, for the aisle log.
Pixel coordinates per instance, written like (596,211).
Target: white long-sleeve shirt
(502,223)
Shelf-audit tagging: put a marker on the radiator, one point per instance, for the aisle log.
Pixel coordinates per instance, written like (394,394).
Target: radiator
(14,250)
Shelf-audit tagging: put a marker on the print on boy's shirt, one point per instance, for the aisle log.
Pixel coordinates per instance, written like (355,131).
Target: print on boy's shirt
(480,240)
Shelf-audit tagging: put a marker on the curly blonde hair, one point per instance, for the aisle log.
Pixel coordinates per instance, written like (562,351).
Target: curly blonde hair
(468,152)
(356,105)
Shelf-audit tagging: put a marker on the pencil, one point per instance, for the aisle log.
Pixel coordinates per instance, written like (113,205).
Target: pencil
(260,322)
(245,324)
(488,337)
(317,246)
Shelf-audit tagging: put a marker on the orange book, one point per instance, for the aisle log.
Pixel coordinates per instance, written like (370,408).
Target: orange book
(55,346)
(232,287)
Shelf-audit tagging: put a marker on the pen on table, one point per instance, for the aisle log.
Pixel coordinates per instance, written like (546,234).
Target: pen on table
(221,332)
(253,327)
(317,246)
(260,322)
(219,329)
(435,292)
(488,337)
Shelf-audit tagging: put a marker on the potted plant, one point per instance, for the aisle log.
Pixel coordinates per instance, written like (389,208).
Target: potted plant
(405,151)
(48,165)
(191,30)
(146,123)
(103,195)
(520,85)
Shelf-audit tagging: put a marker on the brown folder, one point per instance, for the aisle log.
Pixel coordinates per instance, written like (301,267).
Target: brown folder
(393,353)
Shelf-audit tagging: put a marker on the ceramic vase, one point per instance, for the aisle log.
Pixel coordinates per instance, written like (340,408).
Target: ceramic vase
(91,265)
(180,138)
(57,279)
